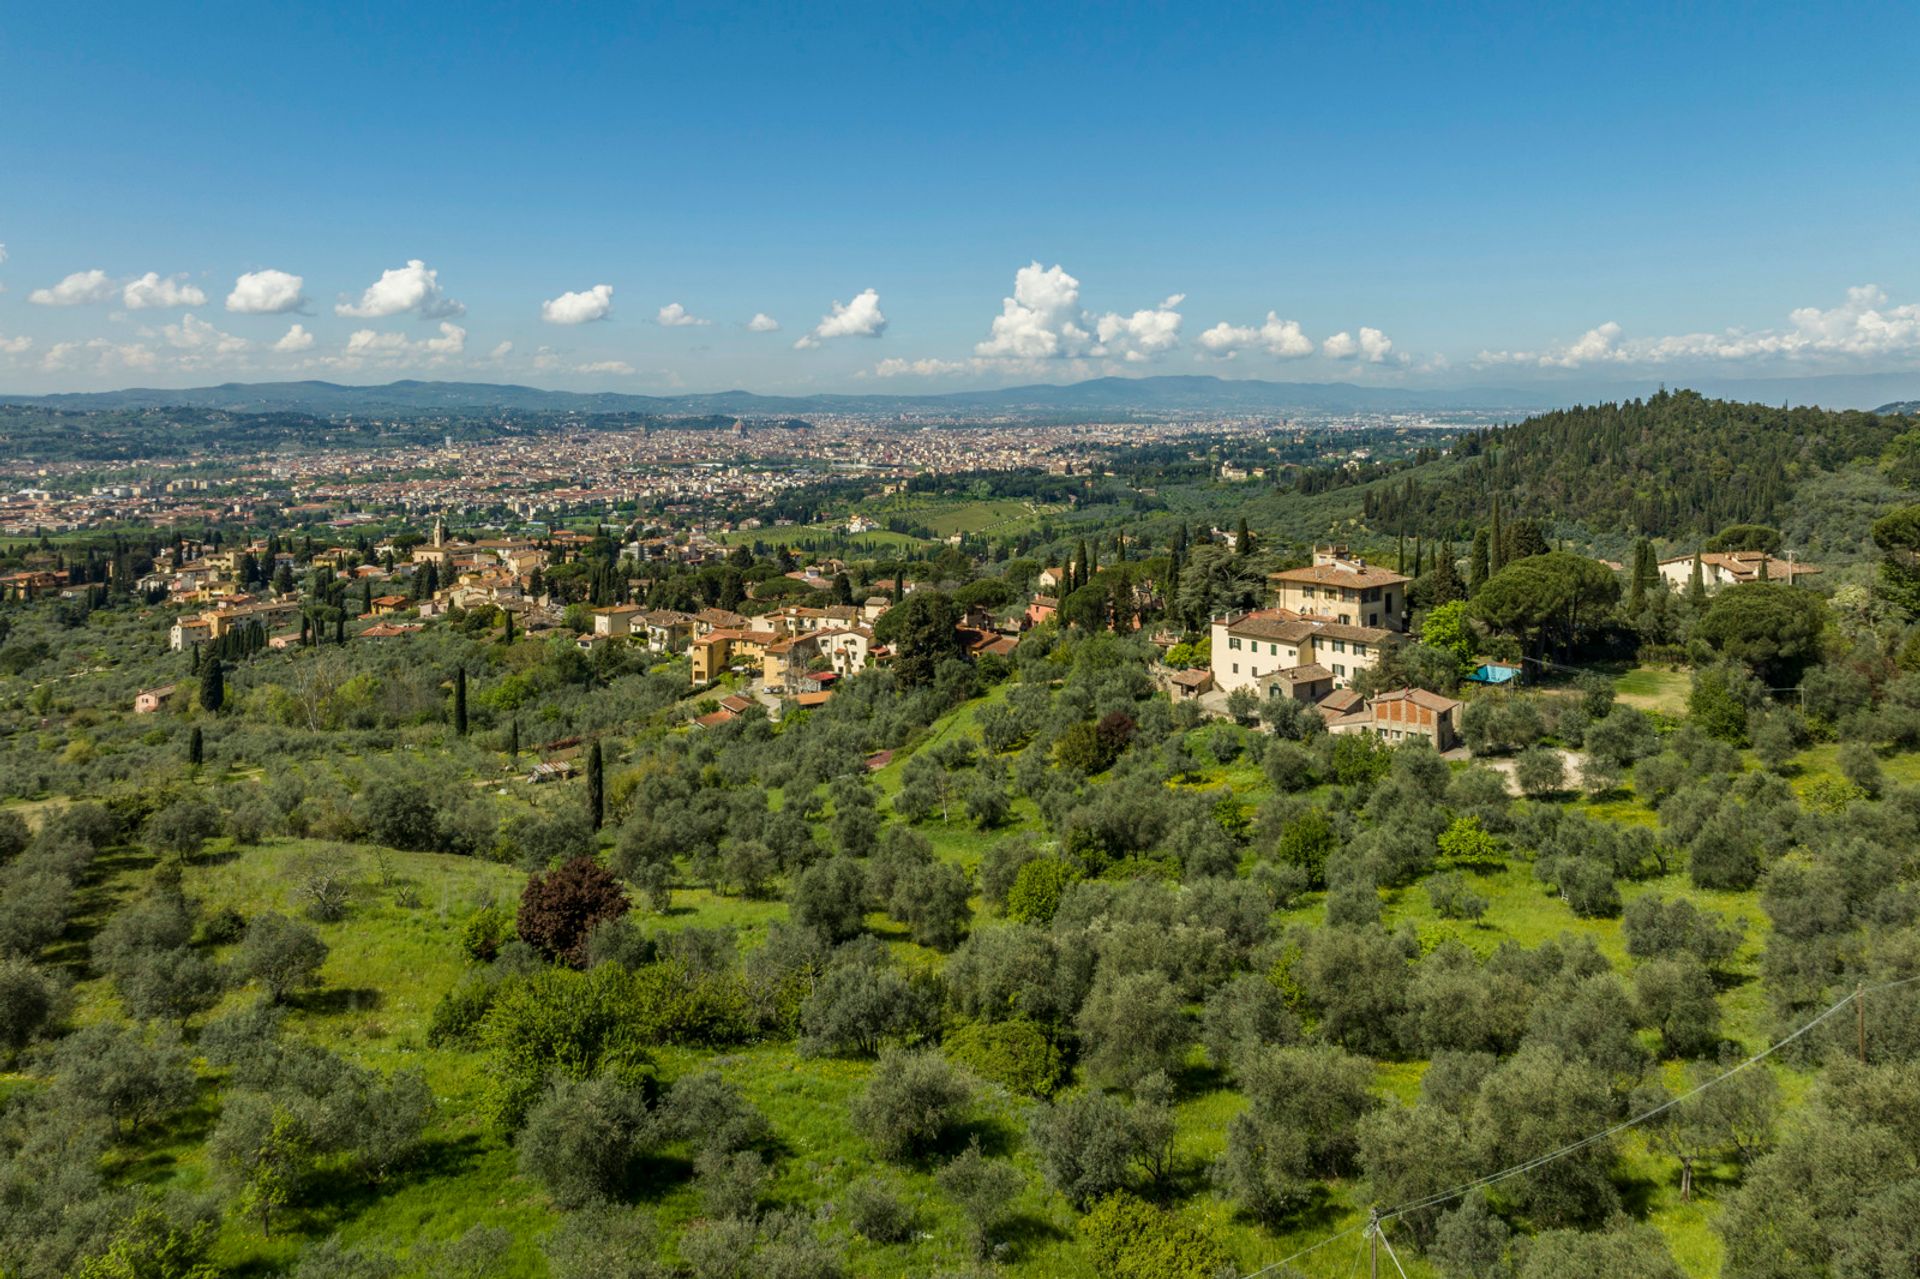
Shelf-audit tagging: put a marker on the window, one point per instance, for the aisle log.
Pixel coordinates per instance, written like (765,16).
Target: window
(1273,650)
(1339,646)
(1233,643)
(1339,670)
(1359,650)
(1236,668)
(1373,619)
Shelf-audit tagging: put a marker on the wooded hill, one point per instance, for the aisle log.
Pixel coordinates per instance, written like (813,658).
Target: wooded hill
(1676,465)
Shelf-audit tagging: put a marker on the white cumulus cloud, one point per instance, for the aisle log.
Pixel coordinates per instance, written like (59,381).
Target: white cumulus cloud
(1043,320)
(200,338)
(763,323)
(78,289)
(1040,321)
(584,307)
(675,316)
(896,367)
(1340,346)
(1282,339)
(153,292)
(1860,328)
(15,345)
(1142,335)
(414,287)
(369,345)
(267,293)
(860,318)
(105,356)
(1376,346)
(620,367)
(295,339)
(500,352)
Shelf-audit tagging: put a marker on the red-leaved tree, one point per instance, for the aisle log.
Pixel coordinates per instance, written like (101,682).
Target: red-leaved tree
(559,909)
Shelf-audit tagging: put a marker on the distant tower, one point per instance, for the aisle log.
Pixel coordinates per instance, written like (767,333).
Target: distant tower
(439,532)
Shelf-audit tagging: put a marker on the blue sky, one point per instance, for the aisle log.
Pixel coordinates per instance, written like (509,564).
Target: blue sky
(1425,195)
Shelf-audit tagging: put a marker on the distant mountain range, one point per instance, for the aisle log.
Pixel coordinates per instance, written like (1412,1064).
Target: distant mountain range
(1164,396)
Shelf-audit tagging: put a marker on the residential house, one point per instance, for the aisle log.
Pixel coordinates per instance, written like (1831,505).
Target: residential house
(667,631)
(1247,646)
(786,658)
(149,700)
(1187,685)
(617,619)
(1310,683)
(188,631)
(1343,588)
(715,652)
(1041,608)
(1403,715)
(1732,568)
(850,650)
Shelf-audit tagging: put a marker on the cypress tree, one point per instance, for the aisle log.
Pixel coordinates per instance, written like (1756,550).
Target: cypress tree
(1243,538)
(1641,581)
(1477,565)
(213,686)
(1497,540)
(1697,584)
(340,627)
(460,700)
(596,787)
(513,741)
(196,747)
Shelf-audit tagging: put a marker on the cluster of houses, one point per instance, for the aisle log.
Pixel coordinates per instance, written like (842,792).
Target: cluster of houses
(1327,622)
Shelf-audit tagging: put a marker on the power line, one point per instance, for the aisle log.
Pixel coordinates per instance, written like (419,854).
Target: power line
(1479,1183)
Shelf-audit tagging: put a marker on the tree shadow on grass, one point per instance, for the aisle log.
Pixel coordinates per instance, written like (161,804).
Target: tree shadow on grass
(1024,1233)
(335,1000)
(336,1194)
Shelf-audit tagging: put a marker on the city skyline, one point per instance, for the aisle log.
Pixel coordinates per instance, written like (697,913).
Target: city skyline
(627,201)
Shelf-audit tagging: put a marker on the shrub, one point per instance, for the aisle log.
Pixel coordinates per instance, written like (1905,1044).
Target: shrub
(556,1021)
(1037,889)
(283,955)
(876,1211)
(559,910)
(1133,1239)
(1539,771)
(580,1138)
(830,898)
(914,1101)
(1306,842)
(984,1188)
(1086,1145)
(485,931)
(1453,897)
(31,1001)
(1015,1054)
(1131,1026)
(456,1018)
(604,1243)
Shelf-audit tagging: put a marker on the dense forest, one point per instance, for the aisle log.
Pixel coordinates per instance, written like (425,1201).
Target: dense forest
(1674,466)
